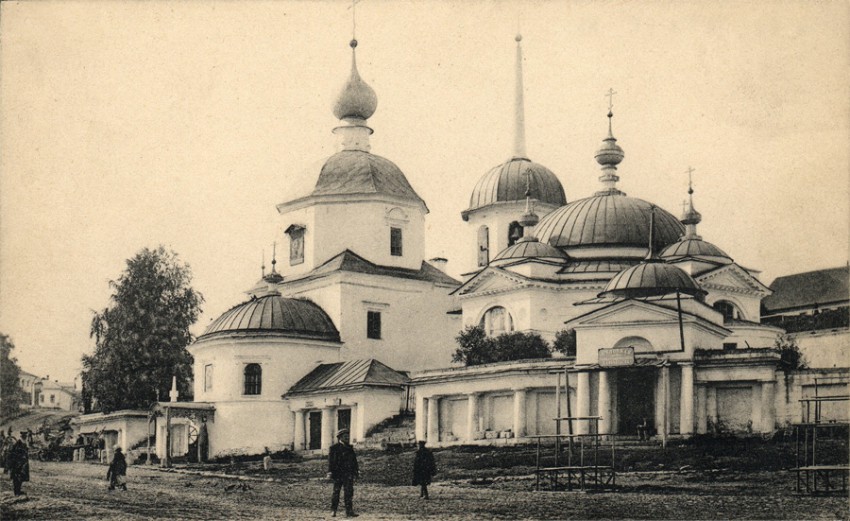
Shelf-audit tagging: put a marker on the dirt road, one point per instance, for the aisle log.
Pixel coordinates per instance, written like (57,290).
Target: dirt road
(66,491)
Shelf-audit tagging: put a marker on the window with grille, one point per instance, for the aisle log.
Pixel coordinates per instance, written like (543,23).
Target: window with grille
(395,242)
(253,379)
(373,324)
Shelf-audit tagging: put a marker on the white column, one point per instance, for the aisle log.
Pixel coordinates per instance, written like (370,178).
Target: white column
(604,403)
(471,416)
(768,407)
(756,416)
(298,438)
(433,420)
(519,427)
(327,428)
(702,410)
(582,401)
(421,421)
(686,401)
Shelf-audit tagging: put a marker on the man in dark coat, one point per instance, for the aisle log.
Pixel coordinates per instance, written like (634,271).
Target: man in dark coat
(424,469)
(117,473)
(343,470)
(18,463)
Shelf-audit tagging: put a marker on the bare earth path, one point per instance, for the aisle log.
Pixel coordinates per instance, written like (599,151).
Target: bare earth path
(66,491)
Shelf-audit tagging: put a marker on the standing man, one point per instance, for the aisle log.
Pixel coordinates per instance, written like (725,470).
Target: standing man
(424,469)
(18,463)
(343,470)
(117,473)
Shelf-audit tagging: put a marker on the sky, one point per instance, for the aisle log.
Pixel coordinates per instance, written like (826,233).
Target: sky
(126,125)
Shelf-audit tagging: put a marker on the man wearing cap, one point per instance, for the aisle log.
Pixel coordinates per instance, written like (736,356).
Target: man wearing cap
(343,470)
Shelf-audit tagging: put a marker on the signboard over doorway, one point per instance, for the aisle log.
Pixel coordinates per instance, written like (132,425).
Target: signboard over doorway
(617,356)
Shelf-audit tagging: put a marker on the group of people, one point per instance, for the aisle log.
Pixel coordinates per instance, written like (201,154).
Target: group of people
(343,470)
(14,457)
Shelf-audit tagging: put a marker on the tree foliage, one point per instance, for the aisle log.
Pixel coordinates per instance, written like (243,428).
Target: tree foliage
(10,373)
(565,342)
(475,347)
(790,356)
(141,337)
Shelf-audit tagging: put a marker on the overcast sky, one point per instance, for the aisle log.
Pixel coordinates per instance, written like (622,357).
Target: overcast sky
(132,124)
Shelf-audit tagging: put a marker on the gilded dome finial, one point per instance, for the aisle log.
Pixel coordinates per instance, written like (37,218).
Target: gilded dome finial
(610,154)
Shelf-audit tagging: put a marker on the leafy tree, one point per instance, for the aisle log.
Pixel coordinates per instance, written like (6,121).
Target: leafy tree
(565,342)
(141,337)
(476,348)
(790,356)
(10,373)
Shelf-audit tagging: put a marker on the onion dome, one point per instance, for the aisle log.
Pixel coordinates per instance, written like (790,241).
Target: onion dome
(357,172)
(530,248)
(357,100)
(507,183)
(610,154)
(611,219)
(649,279)
(289,317)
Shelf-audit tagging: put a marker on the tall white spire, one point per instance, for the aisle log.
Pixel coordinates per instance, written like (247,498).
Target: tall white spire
(519,105)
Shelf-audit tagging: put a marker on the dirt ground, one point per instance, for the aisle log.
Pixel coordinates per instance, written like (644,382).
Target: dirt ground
(66,491)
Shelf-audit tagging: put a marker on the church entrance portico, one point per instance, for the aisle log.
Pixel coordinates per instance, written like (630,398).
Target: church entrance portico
(635,399)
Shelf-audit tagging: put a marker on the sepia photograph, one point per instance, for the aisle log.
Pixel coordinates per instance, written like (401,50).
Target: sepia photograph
(424,259)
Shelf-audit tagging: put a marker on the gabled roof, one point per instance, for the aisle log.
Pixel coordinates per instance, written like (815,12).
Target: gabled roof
(732,277)
(351,262)
(801,290)
(347,375)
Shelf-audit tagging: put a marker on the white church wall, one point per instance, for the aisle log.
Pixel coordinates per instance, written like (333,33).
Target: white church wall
(241,430)
(364,228)
(825,348)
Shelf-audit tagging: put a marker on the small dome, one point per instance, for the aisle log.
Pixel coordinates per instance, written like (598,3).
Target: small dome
(691,216)
(528,248)
(693,247)
(508,182)
(360,172)
(651,279)
(610,219)
(610,154)
(290,317)
(357,99)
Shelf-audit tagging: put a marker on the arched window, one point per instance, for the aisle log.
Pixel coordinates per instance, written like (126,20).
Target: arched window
(515,232)
(496,321)
(253,379)
(730,311)
(483,246)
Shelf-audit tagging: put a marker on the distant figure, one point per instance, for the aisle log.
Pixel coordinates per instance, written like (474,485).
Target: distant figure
(424,468)
(343,470)
(18,463)
(643,430)
(117,473)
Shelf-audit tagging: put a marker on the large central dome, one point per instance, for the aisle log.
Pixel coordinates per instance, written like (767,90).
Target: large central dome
(611,219)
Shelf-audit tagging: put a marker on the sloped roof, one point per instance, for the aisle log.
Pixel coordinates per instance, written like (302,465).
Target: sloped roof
(801,290)
(359,172)
(350,374)
(351,262)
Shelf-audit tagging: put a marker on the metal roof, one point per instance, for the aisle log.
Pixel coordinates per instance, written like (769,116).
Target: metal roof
(297,318)
(524,249)
(351,262)
(652,278)
(694,247)
(801,290)
(359,172)
(610,219)
(508,181)
(345,375)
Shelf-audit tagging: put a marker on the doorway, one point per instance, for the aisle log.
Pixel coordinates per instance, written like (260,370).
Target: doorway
(635,399)
(343,420)
(315,420)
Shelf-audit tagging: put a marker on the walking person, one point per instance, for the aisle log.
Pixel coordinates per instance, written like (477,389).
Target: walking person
(343,470)
(117,473)
(18,463)
(424,468)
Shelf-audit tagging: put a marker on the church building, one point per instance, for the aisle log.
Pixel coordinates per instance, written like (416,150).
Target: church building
(356,326)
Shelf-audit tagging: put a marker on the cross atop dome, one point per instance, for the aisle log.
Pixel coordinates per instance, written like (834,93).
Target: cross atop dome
(691,217)
(610,155)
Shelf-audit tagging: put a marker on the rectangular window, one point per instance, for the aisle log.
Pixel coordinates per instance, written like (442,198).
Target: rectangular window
(208,377)
(253,379)
(395,242)
(41,398)
(729,346)
(373,324)
(296,245)
(52,398)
